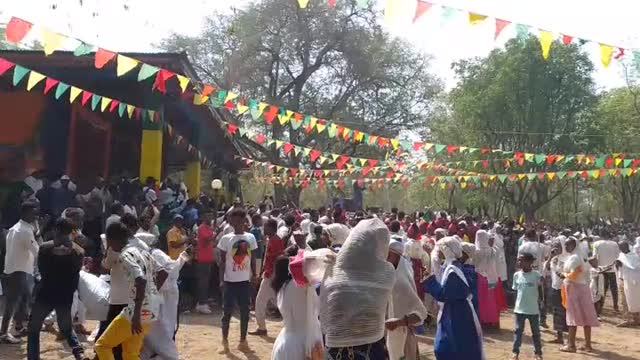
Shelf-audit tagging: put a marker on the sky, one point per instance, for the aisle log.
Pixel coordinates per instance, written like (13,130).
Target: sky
(107,24)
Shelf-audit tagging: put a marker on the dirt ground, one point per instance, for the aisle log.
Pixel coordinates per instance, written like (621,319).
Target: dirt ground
(199,338)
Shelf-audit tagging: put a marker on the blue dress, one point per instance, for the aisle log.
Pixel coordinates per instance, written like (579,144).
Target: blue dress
(456,337)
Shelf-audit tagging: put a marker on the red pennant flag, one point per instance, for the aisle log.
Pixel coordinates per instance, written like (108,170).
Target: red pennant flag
(85,97)
(521,161)
(360,182)
(315,154)
(232,129)
(485,151)
(372,162)
(287,148)
(585,174)
(345,159)
(271,115)
(293,172)
(541,176)
(485,164)
(332,3)
(608,163)
(421,8)
(161,79)
(340,164)
(318,173)
(5,65)
(49,84)
(620,54)
(102,57)
(229,105)
(137,113)
(17,29)
(635,163)
(366,171)
(417,146)
(114,105)
(383,142)
(260,139)
(566,39)
(500,25)
(390,175)
(452,149)
(551,159)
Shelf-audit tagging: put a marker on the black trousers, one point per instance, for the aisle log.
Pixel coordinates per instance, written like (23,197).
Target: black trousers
(610,283)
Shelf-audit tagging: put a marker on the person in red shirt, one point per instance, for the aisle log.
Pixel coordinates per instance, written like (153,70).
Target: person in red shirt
(275,248)
(472,229)
(442,222)
(205,261)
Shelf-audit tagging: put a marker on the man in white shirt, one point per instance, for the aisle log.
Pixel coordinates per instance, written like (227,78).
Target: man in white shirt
(607,252)
(238,268)
(19,266)
(289,223)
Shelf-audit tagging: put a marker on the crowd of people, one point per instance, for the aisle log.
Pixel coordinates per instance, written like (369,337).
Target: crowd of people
(347,285)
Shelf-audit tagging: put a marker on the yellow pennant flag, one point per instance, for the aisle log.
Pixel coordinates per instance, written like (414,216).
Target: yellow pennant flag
(242,108)
(261,107)
(546,39)
(618,161)
(125,64)
(51,41)
(279,144)
(130,109)
(285,119)
(104,103)
(606,53)
(34,79)
(303,3)
(395,143)
(475,19)
(184,81)
(199,99)
(73,93)
(230,96)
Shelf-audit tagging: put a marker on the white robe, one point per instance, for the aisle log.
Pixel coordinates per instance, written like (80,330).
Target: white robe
(404,301)
(301,331)
(630,275)
(159,341)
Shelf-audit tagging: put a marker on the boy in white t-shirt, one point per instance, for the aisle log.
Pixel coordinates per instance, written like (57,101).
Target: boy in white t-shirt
(238,267)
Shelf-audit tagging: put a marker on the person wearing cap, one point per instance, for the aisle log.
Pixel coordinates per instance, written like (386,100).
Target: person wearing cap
(176,237)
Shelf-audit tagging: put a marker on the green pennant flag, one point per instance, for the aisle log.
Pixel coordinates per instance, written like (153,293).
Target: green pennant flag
(222,94)
(121,108)
(473,150)
(61,89)
(19,73)
(600,161)
(522,31)
(540,158)
(626,162)
(254,109)
(569,159)
(447,14)
(242,131)
(626,172)
(147,71)
(362,4)
(406,145)
(636,59)
(295,124)
(439,148)
(307,121)
(83,49)
(366,138)
(95,100)
(502,178)
(561,174)
(531,176)
(332,129)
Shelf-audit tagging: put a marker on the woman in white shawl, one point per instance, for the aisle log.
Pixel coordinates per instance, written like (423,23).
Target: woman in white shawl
(406,309)
(355,292)
(580,309)
(628,265)
(490,297)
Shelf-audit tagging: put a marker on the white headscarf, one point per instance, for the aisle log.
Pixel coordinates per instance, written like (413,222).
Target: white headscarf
(356,289)
(451,248)
(485,257)
(574,259)
(338,233)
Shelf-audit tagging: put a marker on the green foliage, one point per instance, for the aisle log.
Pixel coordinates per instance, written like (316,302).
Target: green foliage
(332,63)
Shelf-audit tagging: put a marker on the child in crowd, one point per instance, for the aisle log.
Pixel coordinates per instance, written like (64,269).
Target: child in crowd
(527,283)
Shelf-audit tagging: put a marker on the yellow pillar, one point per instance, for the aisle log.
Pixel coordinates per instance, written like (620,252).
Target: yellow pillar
(151,154)
(192,178)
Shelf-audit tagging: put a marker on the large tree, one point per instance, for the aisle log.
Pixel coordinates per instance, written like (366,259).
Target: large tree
(515,100)
(336,64)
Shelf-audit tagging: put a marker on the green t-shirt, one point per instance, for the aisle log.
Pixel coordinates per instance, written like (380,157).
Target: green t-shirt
(526,284)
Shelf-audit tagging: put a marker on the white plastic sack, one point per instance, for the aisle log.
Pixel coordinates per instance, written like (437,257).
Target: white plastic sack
(94,294)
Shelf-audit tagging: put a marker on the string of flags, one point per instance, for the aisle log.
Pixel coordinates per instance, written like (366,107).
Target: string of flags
(546,37)
(209,95)
(95,102)
(350,169)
